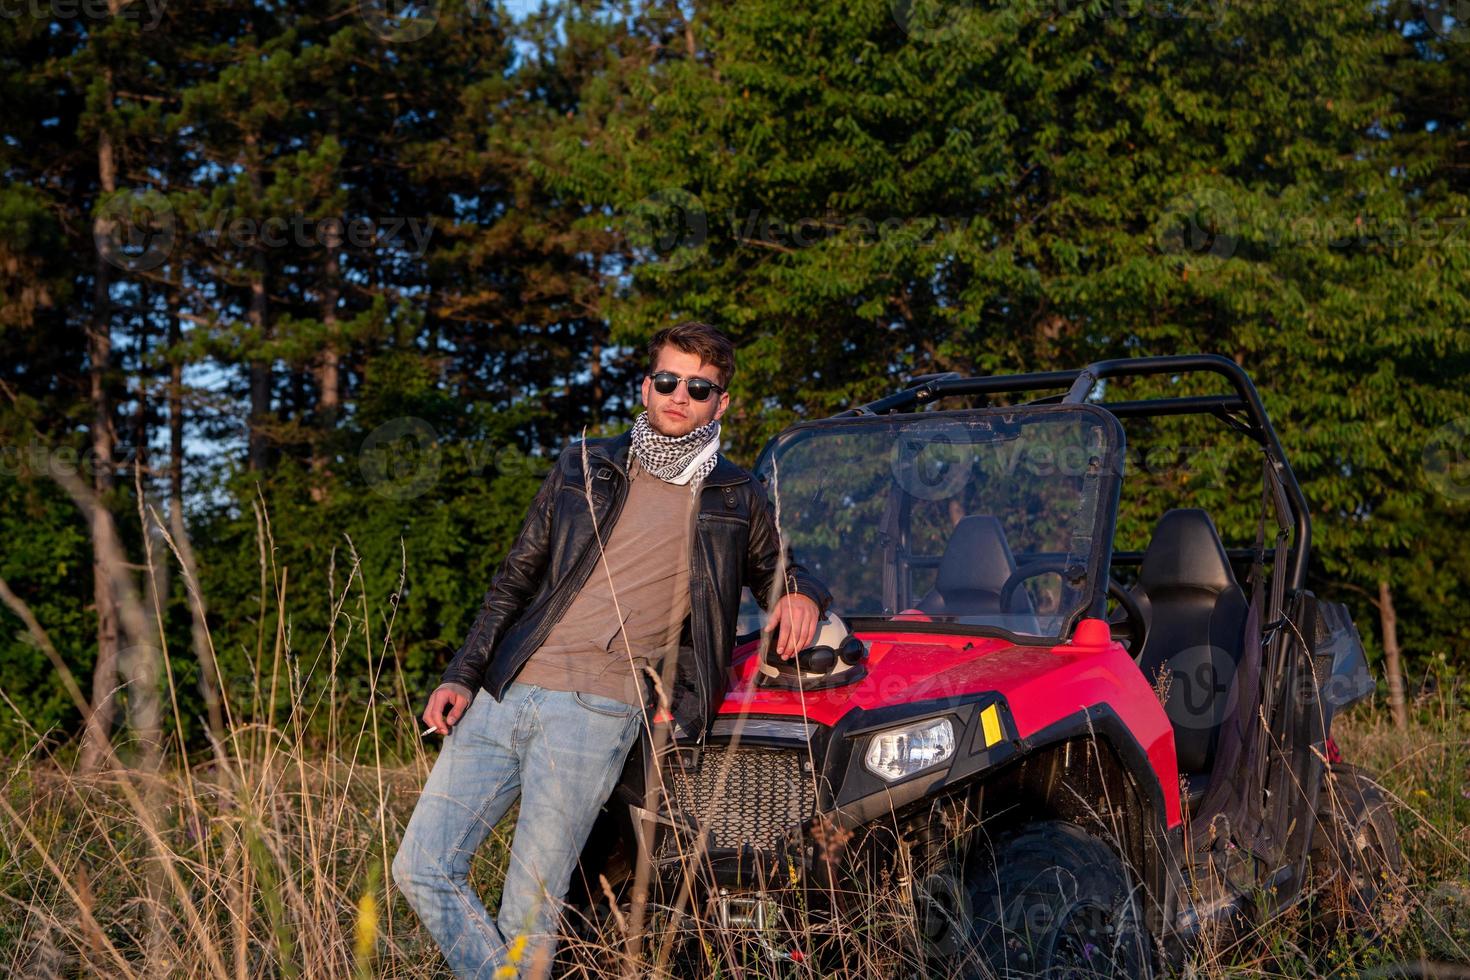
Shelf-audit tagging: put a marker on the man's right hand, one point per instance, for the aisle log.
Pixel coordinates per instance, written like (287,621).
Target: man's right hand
(446,705)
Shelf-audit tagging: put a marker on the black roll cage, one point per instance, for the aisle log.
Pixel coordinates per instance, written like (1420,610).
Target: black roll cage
(1079,385)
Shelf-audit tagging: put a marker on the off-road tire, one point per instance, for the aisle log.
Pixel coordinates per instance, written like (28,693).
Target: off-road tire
(1052,900)
(1356,863)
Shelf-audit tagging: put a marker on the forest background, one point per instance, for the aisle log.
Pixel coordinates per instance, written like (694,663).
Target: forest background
(366,269)
(299,298)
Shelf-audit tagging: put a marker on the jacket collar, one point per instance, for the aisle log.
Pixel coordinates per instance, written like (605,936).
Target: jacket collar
(725,474)
(615,450)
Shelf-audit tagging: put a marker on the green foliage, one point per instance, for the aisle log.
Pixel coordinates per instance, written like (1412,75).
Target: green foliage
(422,508)
(47,562)
(1014,186)
(860,193)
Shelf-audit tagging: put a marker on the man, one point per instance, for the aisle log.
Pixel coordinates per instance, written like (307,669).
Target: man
(631,544)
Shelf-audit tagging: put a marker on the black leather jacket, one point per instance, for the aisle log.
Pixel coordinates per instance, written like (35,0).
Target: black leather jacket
(735,544)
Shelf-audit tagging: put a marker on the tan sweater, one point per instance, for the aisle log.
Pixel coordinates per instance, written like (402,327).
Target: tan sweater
(644,578)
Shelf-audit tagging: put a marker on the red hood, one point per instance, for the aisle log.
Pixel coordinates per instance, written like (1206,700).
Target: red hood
(1041,685)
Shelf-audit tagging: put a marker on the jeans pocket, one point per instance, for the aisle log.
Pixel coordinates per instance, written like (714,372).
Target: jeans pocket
(611,707)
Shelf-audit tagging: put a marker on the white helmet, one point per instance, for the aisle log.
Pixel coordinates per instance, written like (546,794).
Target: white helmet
(834,658)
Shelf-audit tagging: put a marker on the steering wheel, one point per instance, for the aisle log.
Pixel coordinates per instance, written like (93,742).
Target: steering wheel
(1130,632)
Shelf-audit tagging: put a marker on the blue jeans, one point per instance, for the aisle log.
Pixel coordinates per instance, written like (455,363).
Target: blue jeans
(562,754)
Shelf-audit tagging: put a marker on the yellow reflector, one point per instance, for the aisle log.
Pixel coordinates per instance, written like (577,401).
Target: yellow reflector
(990,722)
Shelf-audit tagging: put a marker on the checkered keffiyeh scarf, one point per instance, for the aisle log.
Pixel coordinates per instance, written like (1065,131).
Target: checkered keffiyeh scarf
(677,459)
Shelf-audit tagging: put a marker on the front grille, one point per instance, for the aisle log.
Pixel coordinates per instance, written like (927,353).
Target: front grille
(749,796)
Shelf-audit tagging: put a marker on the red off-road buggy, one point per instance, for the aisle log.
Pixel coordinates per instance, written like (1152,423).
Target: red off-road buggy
(1050,787)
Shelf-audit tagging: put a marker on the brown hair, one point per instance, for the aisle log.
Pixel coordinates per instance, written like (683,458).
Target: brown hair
(693,337)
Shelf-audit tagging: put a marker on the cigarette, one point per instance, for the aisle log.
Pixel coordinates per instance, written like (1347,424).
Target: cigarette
(428,731)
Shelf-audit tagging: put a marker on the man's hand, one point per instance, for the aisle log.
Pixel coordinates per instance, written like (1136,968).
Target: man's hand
(796,615)
(445,706)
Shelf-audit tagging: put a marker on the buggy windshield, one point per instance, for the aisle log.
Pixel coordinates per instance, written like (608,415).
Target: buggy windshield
(997,518)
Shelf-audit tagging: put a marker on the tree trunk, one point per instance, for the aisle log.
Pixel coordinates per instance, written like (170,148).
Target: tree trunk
(141,662)
(328,370)
(1393,663)
(260,368)
(260,372)
(208,688)
(99,356)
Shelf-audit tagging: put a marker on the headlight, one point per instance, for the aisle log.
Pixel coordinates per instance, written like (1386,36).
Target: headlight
(904,751)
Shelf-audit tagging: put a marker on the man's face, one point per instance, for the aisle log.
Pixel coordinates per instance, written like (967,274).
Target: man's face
(677,414)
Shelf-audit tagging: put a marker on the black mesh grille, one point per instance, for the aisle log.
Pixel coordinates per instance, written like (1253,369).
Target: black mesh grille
(748,796)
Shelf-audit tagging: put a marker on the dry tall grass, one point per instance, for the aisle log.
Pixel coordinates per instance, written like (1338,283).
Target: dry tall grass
(268,855)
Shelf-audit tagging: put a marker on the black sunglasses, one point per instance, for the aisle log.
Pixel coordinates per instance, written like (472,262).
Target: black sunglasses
(664,382)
